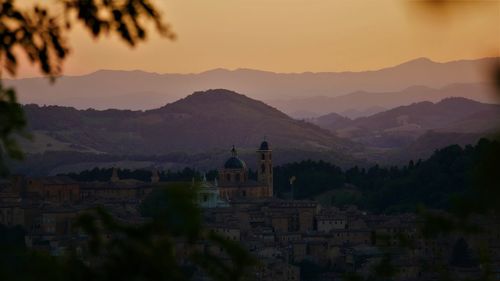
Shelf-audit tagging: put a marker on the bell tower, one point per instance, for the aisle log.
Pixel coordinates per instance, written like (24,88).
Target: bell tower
(265,166)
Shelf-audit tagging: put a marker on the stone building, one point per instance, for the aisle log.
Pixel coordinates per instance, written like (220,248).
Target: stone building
(60,190)
(233,178)
(330,220)
(117,189)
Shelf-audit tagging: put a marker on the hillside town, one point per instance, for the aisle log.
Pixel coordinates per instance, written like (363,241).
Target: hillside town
(287,236)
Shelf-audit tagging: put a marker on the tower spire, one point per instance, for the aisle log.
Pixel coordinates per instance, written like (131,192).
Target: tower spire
(234,152)
(265,166)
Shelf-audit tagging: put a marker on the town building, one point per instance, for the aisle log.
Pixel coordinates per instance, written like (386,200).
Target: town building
(234,180)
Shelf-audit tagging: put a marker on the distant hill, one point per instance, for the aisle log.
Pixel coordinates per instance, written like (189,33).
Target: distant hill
(450,114)
(140,90)
(204,123)
(417,129)
(363,103)
(198,130)
(332,121)
(214,119)
(361,112)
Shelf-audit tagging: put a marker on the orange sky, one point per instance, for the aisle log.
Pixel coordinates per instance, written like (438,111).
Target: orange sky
(296,36)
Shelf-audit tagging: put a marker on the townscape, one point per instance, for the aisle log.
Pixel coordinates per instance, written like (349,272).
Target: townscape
(326,140)
(287,236)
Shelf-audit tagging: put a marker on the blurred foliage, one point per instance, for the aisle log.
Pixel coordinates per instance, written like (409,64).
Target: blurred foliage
(41,33)
(170,244)
(12,121)
(483,198)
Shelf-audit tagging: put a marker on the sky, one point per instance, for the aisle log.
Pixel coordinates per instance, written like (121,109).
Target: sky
(295,36)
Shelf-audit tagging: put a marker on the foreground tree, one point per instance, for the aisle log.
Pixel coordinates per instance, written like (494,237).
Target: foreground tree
(41,34)
(111,250)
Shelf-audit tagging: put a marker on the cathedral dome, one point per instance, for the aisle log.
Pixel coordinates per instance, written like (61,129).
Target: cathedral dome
(234,162)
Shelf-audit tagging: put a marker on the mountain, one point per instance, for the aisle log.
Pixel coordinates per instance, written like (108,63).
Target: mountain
(332,121)
(140,90)
(416,130)
(362,103)
(204,123)
(199,129)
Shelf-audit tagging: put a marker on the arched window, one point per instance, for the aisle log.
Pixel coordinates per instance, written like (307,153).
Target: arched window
(263,168)
(263,156)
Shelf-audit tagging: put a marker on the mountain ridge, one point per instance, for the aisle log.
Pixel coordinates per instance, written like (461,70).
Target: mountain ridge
(458,107)
(417,60)
(416,129)
(362,100)
(146,90)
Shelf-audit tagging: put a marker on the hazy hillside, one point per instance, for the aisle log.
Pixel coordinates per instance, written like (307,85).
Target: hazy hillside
(206,123)
(197,131)
(416,130)
(449,114)
(362,103)
(331,121)
(141,90)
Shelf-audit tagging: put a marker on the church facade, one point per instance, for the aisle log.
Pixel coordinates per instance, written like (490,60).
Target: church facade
(233,177)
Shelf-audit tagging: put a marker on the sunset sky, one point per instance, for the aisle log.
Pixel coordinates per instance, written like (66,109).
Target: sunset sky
(296,36)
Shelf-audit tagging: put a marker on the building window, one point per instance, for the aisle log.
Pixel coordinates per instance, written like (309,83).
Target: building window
(228,177)
(263,168)
(263,156)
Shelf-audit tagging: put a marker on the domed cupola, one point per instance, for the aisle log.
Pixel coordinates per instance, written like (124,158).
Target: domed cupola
(234,162)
